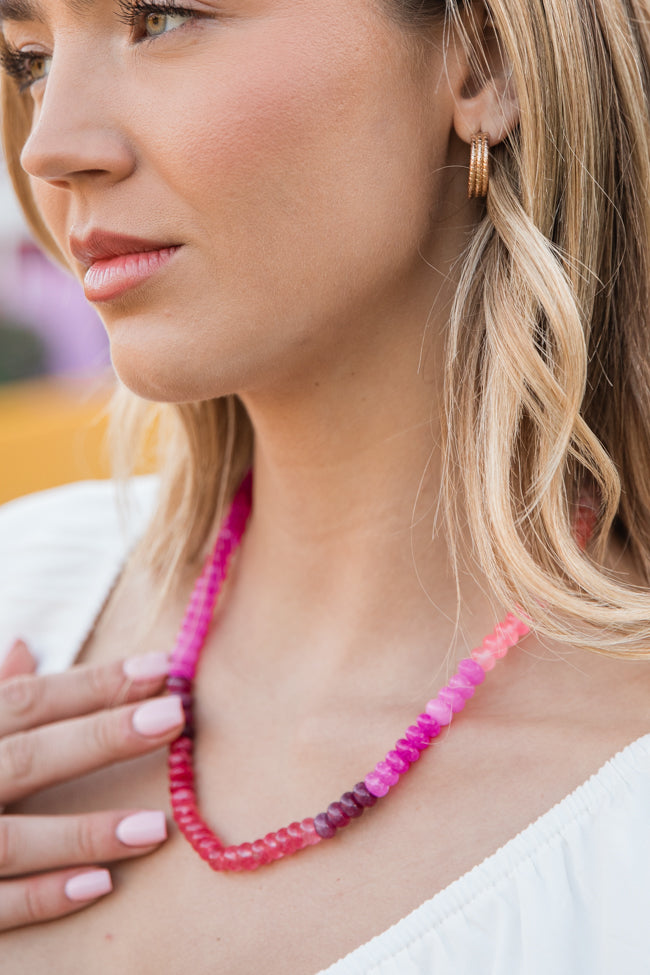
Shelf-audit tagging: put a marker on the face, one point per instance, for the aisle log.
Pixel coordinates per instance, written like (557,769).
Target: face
(277,161)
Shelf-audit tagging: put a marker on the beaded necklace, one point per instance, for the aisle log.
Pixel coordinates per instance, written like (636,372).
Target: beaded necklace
(417,738)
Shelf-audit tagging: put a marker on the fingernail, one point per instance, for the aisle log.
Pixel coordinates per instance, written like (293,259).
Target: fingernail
(157,717)
(18,645)
(87,886)
(146,667)
(142,829)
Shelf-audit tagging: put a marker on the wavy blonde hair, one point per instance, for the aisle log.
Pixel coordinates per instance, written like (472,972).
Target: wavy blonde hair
(548,352)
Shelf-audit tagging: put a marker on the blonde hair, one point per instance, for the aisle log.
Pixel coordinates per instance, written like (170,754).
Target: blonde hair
(548,353)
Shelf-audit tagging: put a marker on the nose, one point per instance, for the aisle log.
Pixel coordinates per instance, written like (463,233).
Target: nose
(76,134)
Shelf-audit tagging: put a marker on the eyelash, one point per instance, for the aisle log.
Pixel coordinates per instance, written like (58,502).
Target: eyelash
(132,11)
(17,64)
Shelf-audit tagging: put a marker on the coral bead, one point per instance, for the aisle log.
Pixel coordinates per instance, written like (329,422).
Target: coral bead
(182,795)
(297,835)
(284,841)
(231,859)
(260,852)
(309,832)
(270,846)
(484,659)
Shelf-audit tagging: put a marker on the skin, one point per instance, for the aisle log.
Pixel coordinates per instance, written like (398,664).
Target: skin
(320,218)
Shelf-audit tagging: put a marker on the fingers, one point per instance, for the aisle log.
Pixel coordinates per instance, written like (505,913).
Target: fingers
(34,760)
(28,701)
(31,844)
(18,661)
(43,898)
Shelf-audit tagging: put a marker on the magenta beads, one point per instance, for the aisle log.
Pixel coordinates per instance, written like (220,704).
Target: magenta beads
(351,805)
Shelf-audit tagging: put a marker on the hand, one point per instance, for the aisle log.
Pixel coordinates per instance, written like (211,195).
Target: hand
(55,728)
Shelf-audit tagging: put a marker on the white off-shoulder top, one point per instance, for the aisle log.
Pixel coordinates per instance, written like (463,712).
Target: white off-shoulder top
(569,895)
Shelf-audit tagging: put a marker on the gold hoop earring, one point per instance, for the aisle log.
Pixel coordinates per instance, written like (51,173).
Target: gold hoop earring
(479,166)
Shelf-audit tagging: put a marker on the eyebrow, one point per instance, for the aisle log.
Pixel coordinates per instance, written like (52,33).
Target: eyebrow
(32,10)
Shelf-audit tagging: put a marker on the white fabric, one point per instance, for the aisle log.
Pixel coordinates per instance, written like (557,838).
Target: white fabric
(570,895)
(61,551)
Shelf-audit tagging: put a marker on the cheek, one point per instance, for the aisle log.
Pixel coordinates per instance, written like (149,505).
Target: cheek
(297,146)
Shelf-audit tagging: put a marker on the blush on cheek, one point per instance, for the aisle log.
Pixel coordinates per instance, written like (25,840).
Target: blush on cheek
(279,104)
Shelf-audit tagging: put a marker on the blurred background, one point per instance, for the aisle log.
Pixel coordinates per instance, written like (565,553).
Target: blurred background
(55,376)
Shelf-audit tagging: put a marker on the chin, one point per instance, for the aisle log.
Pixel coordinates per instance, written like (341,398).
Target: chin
(173,378)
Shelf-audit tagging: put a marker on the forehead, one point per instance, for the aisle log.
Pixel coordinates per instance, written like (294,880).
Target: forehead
(36,10)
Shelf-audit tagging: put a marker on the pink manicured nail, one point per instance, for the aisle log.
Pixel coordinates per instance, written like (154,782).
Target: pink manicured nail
(157,717)
(149,666)
(87,886)
(142,829)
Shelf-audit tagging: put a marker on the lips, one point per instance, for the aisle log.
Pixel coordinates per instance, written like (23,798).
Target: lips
(116,263)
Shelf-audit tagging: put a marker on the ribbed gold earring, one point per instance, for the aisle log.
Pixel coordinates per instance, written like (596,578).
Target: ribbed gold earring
(479,166)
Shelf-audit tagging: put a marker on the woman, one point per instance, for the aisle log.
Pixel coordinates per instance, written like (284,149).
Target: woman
(444,403)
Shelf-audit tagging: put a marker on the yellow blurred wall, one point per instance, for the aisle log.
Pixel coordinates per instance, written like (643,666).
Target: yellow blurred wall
(52,432)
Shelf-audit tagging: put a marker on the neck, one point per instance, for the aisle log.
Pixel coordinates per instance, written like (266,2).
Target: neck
(341,551)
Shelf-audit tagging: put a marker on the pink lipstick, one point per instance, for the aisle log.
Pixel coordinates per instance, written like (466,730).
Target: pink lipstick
(116,263)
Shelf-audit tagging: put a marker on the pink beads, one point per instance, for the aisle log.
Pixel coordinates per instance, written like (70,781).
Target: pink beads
(386,774)
(441,711)
(496,645)
(471,671)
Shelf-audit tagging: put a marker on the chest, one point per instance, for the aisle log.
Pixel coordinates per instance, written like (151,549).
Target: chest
(480,784)
(169,912)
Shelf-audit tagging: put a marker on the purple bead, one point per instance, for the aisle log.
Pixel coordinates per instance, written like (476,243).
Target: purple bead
(323,826)
(452,697)
(336,815)
(362,796)
(408,751)
(417,737)
(428,724)
(376,784)
(397,762)
(471,670)
(179,685)
(350,806)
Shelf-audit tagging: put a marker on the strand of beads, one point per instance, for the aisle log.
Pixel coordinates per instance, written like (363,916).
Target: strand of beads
(418,736)
(189,643)
(298,835)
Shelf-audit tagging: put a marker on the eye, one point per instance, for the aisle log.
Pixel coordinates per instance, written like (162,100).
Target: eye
(156,24)
(151,20)
(38,67)
(26,67)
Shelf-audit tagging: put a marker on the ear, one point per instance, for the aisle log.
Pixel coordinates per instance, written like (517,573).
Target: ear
(487,100)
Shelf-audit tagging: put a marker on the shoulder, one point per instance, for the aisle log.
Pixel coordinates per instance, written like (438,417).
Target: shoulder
(74,506)
(60,553)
